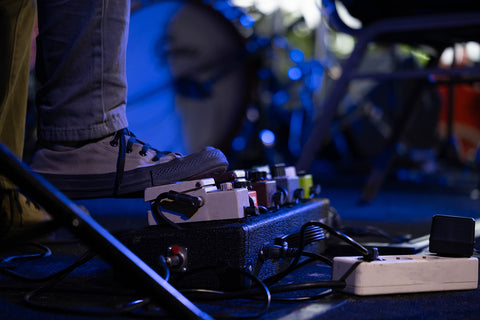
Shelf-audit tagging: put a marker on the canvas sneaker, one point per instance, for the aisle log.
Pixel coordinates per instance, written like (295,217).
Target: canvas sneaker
(121,166)
(19,215)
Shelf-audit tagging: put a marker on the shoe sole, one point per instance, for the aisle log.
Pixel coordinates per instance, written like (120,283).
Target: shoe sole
(204,164)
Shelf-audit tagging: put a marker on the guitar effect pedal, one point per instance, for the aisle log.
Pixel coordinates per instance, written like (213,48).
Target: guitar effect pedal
(266,189)
(287,179)
(196,201)
(306,183)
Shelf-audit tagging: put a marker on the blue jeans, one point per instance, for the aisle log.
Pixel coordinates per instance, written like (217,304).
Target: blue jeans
(80,65)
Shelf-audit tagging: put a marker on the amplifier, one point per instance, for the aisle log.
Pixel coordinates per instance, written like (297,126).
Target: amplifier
(203,250)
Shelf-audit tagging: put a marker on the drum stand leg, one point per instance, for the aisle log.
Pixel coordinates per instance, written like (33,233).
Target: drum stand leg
(66,213)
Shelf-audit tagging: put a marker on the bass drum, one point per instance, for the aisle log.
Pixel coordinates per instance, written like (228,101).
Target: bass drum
(187,78)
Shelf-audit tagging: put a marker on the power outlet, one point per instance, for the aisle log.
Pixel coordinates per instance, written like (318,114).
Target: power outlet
(406,273)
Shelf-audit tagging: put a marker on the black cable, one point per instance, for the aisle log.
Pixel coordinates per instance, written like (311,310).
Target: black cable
(188,201)
(330,284)
(159,216)
(318,257)
(263,289)
(276,251)
(373,231)
(324,284)
(313,257)
(215,294)
(55,278)
(350,270)
(304,298)
(130,308)
(303,263)
(45,253)
(254,292)
(366,253)
(58,276)
(164,264)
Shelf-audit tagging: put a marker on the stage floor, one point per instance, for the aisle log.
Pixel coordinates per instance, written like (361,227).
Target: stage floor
(401,210)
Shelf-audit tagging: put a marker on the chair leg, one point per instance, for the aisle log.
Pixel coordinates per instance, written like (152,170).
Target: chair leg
(321,127)
(384,162)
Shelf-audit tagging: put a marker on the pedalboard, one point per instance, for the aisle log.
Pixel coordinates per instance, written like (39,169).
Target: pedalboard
(208,245)
(406,274)
(225,221)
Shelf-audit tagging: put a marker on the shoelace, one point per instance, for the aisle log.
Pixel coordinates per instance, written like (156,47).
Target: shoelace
(126,146)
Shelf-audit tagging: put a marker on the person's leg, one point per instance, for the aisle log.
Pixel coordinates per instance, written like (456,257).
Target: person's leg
(81,50)
(88,151)
(17,19)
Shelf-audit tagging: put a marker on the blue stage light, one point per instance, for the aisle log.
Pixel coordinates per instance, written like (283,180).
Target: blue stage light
(295,73)
(297,55)
(247,21)
(267,137)
(221,5)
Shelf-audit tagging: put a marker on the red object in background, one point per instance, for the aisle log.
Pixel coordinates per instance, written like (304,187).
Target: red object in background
(466,119)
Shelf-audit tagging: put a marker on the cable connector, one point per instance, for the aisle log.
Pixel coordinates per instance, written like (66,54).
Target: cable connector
(278,252)
(372,255)
(176,258)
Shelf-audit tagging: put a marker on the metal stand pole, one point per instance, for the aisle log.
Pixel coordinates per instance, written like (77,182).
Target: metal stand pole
(69,215)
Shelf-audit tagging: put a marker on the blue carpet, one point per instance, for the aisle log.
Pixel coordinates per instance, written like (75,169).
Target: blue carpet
(401,207)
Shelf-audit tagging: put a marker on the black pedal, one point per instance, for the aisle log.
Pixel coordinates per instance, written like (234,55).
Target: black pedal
(200,252)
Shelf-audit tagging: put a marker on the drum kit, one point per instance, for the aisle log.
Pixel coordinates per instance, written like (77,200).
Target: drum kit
(199,73)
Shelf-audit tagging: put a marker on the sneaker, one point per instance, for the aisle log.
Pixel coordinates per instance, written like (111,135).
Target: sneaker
(121,166)
(21,217)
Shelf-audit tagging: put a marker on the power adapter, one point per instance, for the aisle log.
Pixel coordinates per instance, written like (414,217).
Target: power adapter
(452,236)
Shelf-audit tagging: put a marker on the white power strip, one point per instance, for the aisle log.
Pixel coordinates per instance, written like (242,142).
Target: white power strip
(406,273)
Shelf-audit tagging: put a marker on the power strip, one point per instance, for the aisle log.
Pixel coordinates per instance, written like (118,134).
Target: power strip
(406,273)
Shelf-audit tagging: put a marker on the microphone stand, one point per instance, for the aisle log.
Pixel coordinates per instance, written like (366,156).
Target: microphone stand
(66,213)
